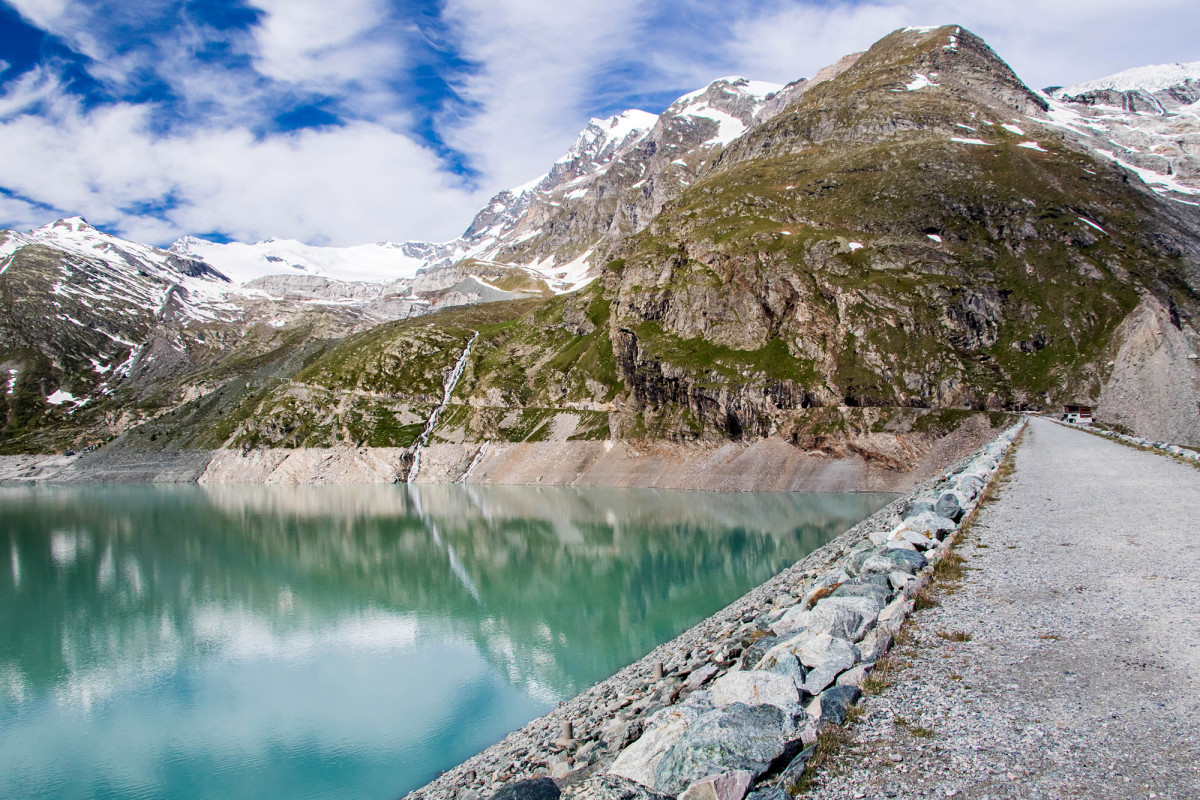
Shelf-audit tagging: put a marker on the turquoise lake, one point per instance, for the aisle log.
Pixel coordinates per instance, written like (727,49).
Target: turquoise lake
(342,642)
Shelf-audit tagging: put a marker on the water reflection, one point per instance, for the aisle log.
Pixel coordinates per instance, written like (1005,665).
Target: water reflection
(262,641)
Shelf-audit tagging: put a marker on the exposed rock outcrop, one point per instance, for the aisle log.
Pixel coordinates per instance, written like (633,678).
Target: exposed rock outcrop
(1153,389)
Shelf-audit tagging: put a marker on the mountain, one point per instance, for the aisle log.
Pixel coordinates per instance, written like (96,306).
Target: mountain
(1144,119)
(610,182)
(849,265)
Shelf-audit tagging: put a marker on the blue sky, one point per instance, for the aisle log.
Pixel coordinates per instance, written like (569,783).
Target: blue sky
(361,120)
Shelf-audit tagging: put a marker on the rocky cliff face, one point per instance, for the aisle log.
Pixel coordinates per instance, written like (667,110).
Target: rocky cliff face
(1154,384)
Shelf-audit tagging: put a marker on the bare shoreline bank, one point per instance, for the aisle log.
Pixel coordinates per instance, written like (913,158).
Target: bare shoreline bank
(891,464)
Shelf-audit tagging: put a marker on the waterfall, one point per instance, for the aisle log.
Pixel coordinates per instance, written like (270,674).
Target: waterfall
(447,390)
(474,462)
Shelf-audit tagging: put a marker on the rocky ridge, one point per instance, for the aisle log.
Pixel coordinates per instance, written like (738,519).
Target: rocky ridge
(734,706)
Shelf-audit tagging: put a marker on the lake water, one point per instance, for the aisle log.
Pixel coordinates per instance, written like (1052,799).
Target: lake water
(348,642)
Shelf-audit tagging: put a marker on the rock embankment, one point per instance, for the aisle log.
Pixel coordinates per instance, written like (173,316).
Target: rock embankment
(1138,441)
(1064,660)
(733,706)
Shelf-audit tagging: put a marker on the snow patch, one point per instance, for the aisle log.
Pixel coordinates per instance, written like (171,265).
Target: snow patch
(380,261)
(855,246)
(1013,129)
(1032,146)
(12,380)
(60,397)
(574,273)
(934,237)
(921,28)
(728,128)
(967,141)
(1087,221)
(1151,178)
(919,81)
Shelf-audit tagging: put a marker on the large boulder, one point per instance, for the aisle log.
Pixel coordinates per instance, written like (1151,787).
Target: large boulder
(788,648)
(739,737)
(826,657)
(639,761)
(794,619)
(952,505)
(755,687)
(532,789)
(935,526)
(790,667)
(757,649)
(844,617)
(877,590)
(836,702)
(905,560)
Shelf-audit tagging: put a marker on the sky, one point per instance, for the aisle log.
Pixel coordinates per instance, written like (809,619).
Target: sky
(347,121)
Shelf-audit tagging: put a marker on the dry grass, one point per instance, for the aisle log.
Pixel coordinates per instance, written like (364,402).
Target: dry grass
(954,636)
(949,568)
(916,730)
(880,677)
(924,599)
(830,739)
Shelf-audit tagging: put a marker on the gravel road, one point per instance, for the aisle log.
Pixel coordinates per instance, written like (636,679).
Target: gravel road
(1067,662)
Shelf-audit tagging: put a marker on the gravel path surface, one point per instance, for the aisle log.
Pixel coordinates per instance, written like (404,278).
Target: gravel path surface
(1066,664)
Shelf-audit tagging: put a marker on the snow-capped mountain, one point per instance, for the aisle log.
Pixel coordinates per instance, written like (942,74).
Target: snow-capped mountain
(83,308)
(655,153)
(376,263)
(102,270)
(1147,119)
(1153,88)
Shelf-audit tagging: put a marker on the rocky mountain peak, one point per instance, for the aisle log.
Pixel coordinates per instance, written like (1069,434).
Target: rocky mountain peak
(71,224)
(954,59)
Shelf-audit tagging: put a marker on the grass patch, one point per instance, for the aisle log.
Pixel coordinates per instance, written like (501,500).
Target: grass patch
(880,677)
(924,599)
(830,739)
(949,568)
(919,731)
(954,636)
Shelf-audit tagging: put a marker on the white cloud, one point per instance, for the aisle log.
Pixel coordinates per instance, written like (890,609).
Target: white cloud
(541,69)
(540,60)
(337,185)
(1065,42)
(43,13)
(326,45)
(21,215)
(27,90)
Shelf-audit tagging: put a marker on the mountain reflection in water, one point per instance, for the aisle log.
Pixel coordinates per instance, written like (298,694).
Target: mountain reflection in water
(245,641)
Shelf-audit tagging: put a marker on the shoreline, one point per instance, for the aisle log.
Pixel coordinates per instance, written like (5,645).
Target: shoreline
(608,717)
(893,463)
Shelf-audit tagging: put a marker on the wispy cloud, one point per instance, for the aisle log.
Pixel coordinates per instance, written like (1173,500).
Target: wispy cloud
(179,125)
(353,183)
(538,63)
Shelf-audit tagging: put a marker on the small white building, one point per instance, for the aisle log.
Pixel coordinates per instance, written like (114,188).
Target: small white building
(1077,415)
